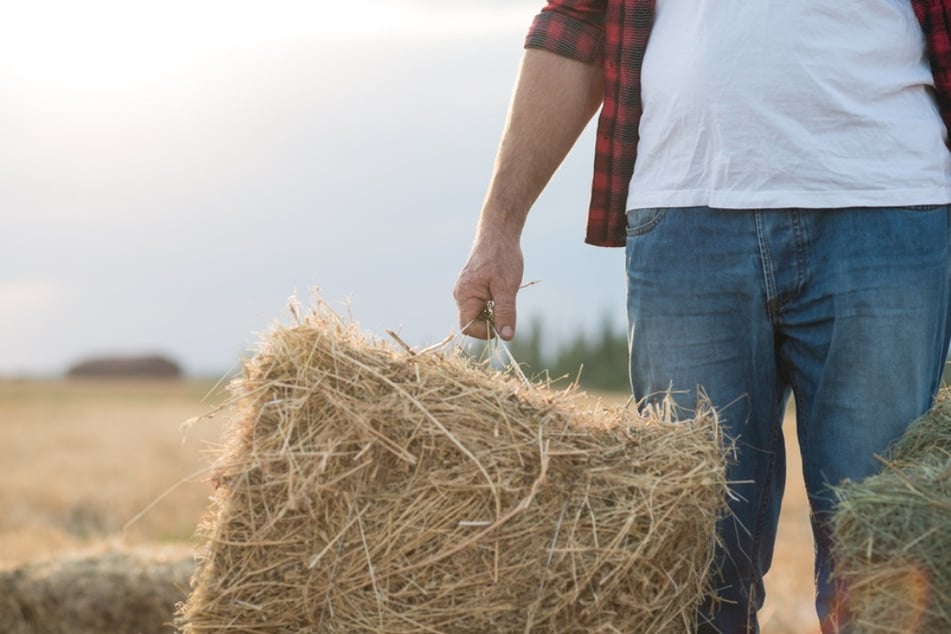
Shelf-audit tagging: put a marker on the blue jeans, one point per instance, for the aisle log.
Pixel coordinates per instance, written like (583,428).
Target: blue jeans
(847,309)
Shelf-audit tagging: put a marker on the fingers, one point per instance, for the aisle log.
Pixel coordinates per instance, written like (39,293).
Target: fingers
(492,274)
(505,315)
(470,321)
(485,318)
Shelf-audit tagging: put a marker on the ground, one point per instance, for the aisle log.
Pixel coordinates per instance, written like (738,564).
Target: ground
(86,464)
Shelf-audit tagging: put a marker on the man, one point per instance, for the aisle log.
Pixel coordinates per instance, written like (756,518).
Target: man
(779,175)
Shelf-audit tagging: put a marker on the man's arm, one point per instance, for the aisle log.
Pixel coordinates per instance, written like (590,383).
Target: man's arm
(554,99)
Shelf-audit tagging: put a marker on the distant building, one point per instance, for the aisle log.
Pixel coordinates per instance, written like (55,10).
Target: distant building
(144,367)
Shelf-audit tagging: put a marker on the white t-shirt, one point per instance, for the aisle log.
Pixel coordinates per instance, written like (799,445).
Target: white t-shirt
(779,103)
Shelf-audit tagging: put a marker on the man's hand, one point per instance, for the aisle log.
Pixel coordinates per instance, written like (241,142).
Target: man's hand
(493,272)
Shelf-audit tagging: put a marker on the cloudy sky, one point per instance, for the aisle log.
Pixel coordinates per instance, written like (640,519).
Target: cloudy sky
(171,172)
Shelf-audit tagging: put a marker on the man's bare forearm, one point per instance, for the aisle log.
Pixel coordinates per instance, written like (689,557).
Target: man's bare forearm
(554,99)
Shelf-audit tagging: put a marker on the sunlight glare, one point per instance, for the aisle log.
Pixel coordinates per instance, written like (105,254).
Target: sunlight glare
(115,45)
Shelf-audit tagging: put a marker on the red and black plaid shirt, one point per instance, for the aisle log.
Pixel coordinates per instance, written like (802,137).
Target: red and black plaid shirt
(614,33)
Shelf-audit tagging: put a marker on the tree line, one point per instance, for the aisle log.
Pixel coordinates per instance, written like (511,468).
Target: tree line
(597,359)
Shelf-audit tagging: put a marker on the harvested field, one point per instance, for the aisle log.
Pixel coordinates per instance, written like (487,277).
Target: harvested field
(72,479)
(80,459)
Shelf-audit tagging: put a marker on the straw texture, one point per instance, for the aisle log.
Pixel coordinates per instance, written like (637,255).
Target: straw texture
(927,437)
(893,551)
(122,591)
(364,489)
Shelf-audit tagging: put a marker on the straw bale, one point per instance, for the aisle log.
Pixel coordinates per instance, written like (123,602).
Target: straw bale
(120,591)
(930,435)
(891,531)
(367,489)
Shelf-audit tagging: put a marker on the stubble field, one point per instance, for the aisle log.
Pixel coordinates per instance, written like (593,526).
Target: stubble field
(81,460)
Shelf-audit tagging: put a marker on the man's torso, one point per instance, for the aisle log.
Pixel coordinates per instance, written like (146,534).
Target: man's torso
(779,104)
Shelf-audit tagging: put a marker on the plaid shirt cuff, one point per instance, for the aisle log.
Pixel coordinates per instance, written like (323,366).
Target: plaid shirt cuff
(567,36)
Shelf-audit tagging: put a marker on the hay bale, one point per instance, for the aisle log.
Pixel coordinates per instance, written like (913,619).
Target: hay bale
(892,549)
(134,367)
(364,489)
(120,591)
(929,436)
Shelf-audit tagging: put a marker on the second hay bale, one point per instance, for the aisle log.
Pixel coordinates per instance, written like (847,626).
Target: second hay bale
(126,591)
(891,534)
(929,437)
(364,490)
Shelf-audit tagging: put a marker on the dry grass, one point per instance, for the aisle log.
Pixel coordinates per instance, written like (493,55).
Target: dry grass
(66,444)
(891,531)
(371,490)
(79,459)
(126,591)
(790,607)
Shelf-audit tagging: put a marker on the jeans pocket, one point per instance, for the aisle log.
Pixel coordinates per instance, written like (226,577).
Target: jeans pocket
(640,221)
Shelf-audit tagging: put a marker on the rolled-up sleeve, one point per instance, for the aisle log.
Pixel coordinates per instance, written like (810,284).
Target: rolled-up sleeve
(935,19)
(571,28)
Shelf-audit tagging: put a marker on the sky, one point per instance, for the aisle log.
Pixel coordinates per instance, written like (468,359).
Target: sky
(171,173)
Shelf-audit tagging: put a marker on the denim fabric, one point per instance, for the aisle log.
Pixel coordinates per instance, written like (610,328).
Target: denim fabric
(846,309)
